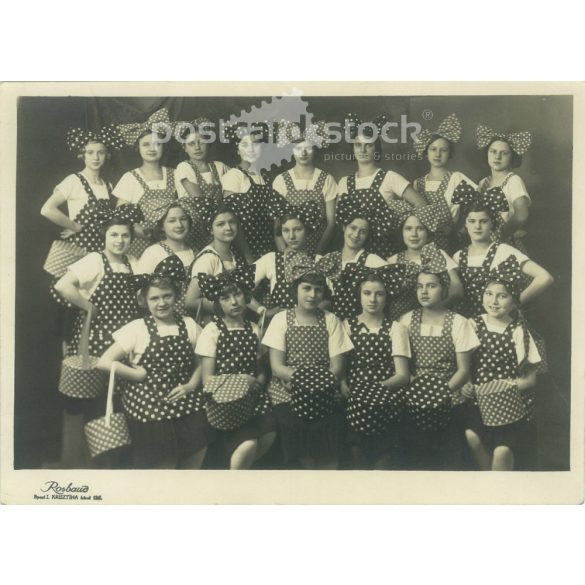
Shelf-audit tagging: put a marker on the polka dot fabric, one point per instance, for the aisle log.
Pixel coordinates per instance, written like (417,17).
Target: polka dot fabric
(428,402)
(449,129)
(345,303)
(101,437)
(168,362)
(77,138)
(281,295)
(474,281)
(499,403)
(61,255)
(519,141)
(78,382)
(312,393)
(229,401)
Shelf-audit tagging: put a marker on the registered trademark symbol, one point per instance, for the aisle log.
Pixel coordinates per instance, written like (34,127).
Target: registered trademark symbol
(427,114)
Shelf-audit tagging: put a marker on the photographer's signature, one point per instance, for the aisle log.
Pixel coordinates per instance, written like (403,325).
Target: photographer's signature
(53,490)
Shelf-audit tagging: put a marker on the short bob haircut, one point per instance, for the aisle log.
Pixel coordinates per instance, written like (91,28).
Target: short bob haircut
(113,221)
(480,207)
(287,217)
(443,278)
(401,242)
(516,160)
(159,232)
(228,289)
(434,138)
(513,291)
(220,210)
(158,281)
(313,278)
(371,277)
(81,151)
(353,217)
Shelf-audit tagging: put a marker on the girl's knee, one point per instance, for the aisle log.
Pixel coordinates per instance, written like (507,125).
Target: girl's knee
(471,437)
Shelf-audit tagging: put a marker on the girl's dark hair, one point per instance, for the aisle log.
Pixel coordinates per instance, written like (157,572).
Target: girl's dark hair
(229,289)
(313,278)
(516,160)
(443,278)
(159,232)
(358,215)
(481,207)
(401,243)
(218,211)
(434,138)
(513,291)
(371,277)
(116,221)
(286,217)
(158,281)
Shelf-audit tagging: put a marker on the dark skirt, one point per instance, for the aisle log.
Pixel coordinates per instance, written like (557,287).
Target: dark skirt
(158,443)
(256,427)
(372,448)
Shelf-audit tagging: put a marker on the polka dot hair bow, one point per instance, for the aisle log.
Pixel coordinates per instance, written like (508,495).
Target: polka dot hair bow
(235,132)
(158,122)
(183,129)
(355,126)
(392,275)
(109,136)
(126,212)
(510,273)
(493,199)
(297,264)
(432,261)
(428,215)
(212,286)
(330,265)
(309,213)
(290,133)
(519,141)
(449,129)
(171,267)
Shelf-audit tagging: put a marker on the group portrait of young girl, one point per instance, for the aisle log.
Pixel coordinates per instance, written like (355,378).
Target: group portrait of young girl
(235,318)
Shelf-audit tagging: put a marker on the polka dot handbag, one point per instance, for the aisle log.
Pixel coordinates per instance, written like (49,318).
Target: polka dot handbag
(80,377)
(312,392)
(371,408)
(499,403)
(61,255)
(230,401)
(110,431)
(428,402)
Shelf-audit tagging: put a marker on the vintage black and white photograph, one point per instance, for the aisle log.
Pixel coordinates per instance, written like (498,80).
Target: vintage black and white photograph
(270,283)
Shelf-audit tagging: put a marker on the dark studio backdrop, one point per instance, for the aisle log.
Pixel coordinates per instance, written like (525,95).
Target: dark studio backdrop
(43,161)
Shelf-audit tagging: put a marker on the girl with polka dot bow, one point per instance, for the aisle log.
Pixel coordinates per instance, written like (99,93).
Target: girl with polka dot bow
(381,194)
(419,241)
(440,184)
(161,396)
(378,370)
(302,337)
(483,254)
(441,343)
(172,230)
(504,153)
(151,186)
(507,353)
(102,282)
(230,344)
(198,179)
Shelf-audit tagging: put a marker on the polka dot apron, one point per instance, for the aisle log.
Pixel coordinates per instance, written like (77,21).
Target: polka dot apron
(211,190)
(428,398)
(437,198)
(115,300)
(160,268)
(236,353)
(372,202)
(474,280)
(251,208)
(281,295)
(304,196)
(153,204)
(498,193)
(90,217)
(168,362)
(370,407)
(345,303)
(407,300)
(496,359)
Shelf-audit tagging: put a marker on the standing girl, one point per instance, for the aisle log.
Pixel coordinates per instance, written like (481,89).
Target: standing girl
(441,343)
(509,355)
(172,231)
(230,344)
(440,185)
(356,232)
(379,193)
(151,187)
(378,370)
(198,179)
(504,153)
(162,397)
(307,346)
(420,250)
(305,186)
(483,254)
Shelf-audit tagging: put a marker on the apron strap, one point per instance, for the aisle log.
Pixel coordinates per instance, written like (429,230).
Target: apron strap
(288,181)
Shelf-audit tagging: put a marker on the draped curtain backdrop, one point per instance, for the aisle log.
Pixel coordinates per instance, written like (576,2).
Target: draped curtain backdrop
(43,162)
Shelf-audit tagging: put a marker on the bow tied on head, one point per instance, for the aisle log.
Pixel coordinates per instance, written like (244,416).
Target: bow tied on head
(309,213)
(355,126)
(510,273)
(290,133)
(157,123)
(431,261)
(126,212)
(297,264)
(183,129)
(212,286)
(449,129)
(330,265)
(171,267)
(429,215)
(236,132)
(493,199)
(109,136)
(391,275)
(519,141)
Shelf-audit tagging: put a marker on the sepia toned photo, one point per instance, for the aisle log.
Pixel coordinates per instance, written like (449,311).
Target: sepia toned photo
(291,293)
